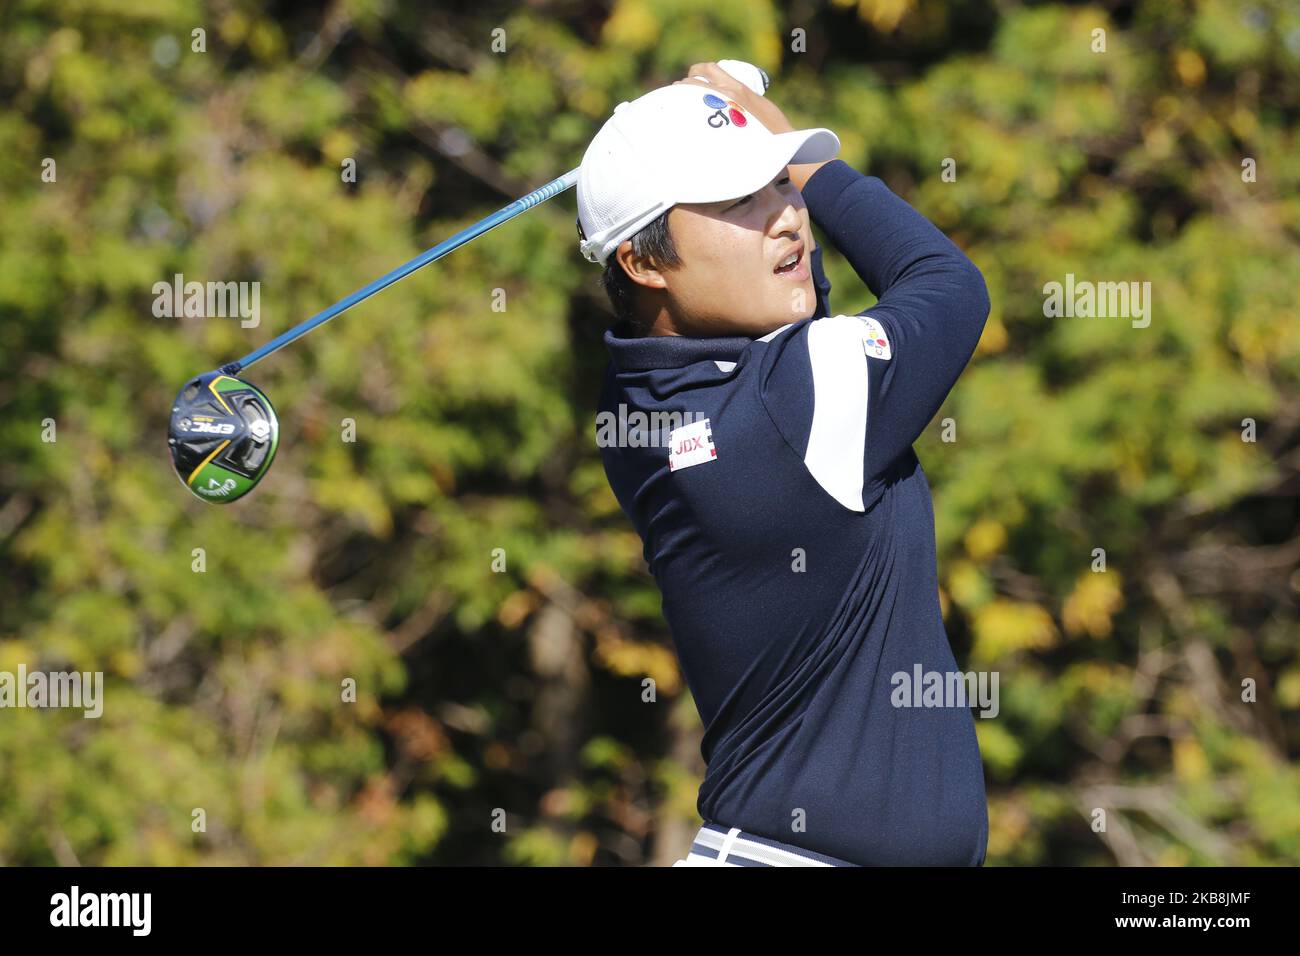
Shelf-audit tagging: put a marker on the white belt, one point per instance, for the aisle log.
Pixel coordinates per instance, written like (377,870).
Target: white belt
(713,847)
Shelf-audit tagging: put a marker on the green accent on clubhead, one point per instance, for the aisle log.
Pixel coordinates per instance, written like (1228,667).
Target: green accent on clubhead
(216,484)
(214,479)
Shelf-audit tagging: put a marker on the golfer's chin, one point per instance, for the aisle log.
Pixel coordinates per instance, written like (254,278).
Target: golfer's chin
(791,302)
(778,307)
(780,303)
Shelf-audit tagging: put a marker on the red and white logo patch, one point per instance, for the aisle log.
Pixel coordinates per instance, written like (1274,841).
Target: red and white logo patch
(874,340)
(691,445)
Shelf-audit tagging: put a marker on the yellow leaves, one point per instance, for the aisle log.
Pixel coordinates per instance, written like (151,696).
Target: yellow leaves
(1092,604)
(1005,628)
(425,822)
(1288,688)
(1166,108)
(1244,123)
(590,103)
(967,584)
(265,40)
(1096,679)
(1190,760)
(999,747)
(582,848)
(39,68)
(517,607)
(1131,459)
(633,26)
(234,27)
(1190,67)
(1253,340)
(884,15)
(767,48)
(1158,139)
(995,337)
(985,539)
(13,653)
(337,145)
(126,662)
(639,659)
(361,500)
(1045,181)
(678,782)
(1010,825)
(441,96)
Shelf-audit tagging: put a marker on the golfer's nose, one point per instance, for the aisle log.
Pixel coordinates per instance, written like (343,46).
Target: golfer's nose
(783,217)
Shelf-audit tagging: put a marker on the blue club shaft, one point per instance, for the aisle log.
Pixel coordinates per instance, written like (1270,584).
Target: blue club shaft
(524,203)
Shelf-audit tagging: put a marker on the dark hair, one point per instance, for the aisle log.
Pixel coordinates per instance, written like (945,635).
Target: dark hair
(654,241)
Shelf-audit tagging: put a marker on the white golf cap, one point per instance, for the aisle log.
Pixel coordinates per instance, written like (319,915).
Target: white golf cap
(680,143)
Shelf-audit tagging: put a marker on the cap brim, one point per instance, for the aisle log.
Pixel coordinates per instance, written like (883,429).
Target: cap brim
(730,177)
(811,145)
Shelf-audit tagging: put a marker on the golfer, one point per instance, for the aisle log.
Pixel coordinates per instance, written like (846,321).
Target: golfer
(783,513)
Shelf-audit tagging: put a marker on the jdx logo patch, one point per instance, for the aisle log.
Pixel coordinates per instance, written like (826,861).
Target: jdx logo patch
(728,111)
(691,445)
(874,341)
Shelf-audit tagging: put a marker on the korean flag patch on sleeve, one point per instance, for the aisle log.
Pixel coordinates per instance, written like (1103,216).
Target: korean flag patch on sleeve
(874,340)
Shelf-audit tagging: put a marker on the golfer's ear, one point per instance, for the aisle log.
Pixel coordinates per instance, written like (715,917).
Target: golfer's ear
(640,269)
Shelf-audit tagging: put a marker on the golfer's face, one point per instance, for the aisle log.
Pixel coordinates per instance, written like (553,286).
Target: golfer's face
(732,280)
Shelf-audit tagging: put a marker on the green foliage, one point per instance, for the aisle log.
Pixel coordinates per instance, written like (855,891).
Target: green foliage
(372,561)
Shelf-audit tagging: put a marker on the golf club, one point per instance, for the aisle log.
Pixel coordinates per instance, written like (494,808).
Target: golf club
(224,432)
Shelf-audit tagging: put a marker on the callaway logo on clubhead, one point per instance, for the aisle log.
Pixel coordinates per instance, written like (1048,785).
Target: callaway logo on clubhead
(218,489)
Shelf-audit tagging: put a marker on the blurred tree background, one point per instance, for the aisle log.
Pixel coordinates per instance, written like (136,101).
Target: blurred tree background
(1171,157)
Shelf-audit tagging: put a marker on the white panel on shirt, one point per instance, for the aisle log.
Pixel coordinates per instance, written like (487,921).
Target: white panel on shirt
(774,333)
(838,347)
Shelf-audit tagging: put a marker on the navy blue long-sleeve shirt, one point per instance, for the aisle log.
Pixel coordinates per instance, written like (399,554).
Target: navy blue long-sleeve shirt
(789,526)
